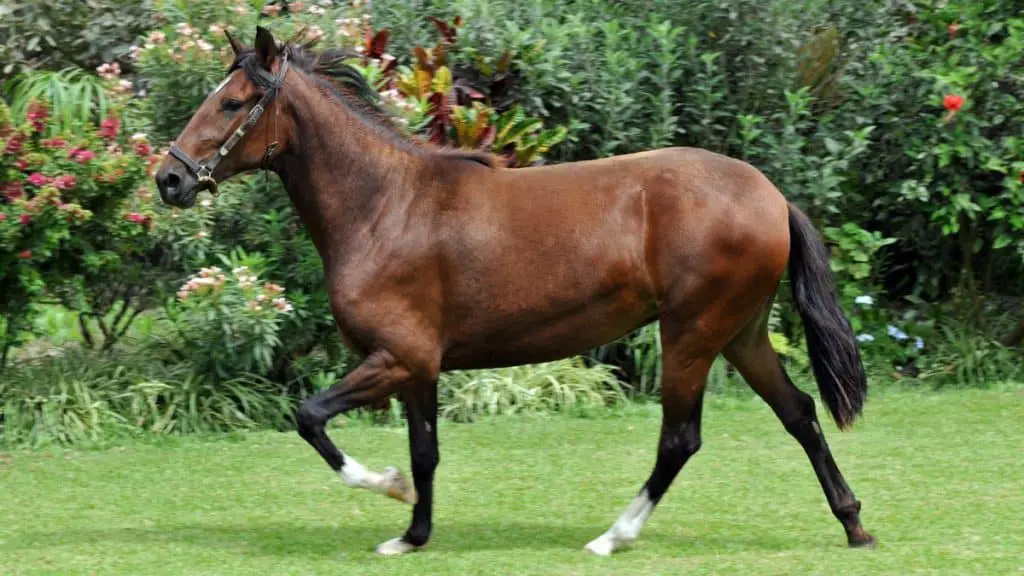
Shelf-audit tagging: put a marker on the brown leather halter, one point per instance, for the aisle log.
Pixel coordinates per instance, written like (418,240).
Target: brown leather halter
(204,171)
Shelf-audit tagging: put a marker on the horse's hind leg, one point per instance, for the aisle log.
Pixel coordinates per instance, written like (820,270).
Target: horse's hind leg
(686,362)
(752,354)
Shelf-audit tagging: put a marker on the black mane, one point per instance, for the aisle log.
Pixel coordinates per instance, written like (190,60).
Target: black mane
(349,86)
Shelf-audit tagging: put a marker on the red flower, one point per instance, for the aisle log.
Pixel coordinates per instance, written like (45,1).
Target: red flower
(81,155)
(25,254)
(3,216)
(13,190)
(39,180)
(953,102)
(24,219)
(54,143)
(66,182)
(143,149)
(37,115)
(952,29)
(21,164)
(140,219)
(110,127)
(13,146)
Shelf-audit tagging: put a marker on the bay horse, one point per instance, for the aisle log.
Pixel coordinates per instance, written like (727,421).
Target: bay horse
(438,259)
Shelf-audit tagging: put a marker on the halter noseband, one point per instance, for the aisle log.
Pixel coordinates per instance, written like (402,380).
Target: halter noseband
(204,171)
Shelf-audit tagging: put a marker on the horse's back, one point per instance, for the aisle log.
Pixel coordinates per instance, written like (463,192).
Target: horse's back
(590,250)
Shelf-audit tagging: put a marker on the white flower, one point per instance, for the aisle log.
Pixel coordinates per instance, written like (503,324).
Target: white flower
(204,45)
(918,343)
(184,29)
(139,136)
(206,203)
(896,332)
(865,300)
(865,338)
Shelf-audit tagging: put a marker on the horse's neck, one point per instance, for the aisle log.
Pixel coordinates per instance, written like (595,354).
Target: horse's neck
(341,175)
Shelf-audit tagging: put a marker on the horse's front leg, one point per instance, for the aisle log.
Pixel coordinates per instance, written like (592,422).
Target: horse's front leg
(421,412)
(379,376)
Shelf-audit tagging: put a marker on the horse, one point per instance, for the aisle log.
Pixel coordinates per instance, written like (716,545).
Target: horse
(439,259)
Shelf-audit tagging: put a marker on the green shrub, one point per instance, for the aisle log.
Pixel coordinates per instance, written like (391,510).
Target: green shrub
(538,388)
(82,396)
(228,322)
(71,217)
(54,35)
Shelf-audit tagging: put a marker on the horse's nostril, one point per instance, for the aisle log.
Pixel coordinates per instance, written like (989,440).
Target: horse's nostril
(173,181)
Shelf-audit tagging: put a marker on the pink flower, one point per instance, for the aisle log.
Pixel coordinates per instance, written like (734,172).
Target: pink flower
(24,219)
(66,182)
(3,216)
(37,115)
(54,143)
(13,190)
(13,145)
(38,180)
(109,71)
(25,254)
(296,7)
(81,155)
(271,10)
(21,164)
(110,127)
(143,148)
(157,37)
(114,149)
(140,219)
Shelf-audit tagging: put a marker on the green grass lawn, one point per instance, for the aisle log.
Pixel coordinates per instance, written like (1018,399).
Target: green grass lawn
(941,477)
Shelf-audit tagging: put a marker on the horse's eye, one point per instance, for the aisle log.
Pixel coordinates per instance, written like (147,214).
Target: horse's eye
(231,105)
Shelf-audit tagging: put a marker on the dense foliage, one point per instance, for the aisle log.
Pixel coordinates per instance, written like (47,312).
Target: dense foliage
(896,125)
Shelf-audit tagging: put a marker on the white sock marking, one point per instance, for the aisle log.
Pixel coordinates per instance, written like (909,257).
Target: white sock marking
(355,475)
(626,528)
(394,547)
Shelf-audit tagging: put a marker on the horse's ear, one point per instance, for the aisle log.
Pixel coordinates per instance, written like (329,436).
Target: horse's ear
(266,47)
(236,46)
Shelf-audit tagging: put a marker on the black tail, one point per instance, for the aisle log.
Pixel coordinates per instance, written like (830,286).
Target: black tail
(835,357)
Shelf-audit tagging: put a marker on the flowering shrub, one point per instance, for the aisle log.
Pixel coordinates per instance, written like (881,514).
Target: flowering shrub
(73,211)
(229,322)
(181,62)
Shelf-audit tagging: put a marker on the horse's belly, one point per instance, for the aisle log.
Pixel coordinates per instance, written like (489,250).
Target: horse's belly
(530,338)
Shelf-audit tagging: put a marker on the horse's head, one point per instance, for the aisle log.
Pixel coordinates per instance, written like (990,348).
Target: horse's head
(237,128)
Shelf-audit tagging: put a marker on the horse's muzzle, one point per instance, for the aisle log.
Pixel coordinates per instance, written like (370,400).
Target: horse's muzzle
(177,187)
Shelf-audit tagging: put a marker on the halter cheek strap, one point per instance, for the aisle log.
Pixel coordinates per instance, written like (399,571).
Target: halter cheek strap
(204,171)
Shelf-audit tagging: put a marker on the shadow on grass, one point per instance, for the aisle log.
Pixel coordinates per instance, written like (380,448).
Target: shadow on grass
(283,539)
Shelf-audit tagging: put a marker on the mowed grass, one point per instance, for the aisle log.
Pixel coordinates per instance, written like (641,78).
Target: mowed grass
(941,476)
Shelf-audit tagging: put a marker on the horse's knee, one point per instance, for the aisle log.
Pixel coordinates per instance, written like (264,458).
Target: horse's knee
(805,427)
(309,418)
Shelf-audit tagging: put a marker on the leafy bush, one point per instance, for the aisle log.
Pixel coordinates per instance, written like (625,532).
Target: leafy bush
(538,388)
(85,397)
(76,98)
(226,323)
(70,215)
(54,35)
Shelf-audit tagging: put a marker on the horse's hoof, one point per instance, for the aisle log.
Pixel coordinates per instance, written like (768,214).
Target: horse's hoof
(601,546)
(396,547)
(399,486)
(861,539)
